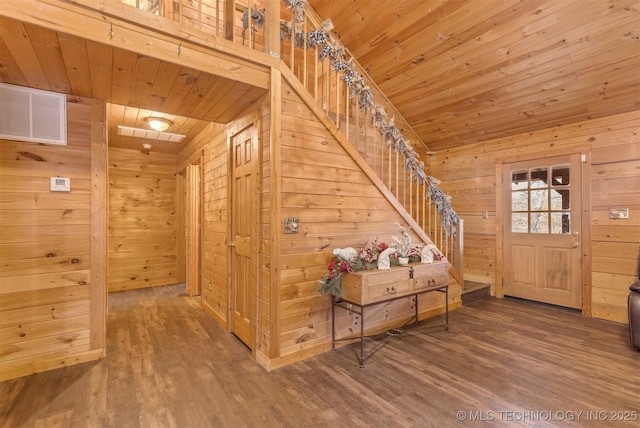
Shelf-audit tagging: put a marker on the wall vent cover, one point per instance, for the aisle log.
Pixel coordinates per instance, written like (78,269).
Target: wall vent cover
(32,115)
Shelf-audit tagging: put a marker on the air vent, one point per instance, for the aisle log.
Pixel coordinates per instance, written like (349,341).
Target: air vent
(32,115)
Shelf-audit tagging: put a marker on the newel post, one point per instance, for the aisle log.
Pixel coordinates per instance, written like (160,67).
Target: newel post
(272,27)
(229,24)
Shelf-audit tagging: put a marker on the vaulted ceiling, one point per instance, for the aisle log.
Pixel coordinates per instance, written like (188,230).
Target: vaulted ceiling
(464,71)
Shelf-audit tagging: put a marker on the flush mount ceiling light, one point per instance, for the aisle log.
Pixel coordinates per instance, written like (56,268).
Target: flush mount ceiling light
(158,124)
(126,131)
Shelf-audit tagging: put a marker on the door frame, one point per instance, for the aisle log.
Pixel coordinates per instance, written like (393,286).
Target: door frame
(194,211)
(250,120)
(190,237)
(585,178)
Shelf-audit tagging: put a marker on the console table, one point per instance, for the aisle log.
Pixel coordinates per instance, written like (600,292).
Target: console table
(367,288)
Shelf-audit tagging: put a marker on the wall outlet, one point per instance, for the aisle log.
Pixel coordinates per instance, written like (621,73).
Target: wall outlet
(618,212)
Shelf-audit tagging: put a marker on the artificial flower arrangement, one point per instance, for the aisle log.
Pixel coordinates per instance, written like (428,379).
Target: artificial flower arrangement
(365,259)
(403,246)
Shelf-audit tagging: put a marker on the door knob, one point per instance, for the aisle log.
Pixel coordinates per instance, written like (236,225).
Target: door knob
(575,244)
(231,244)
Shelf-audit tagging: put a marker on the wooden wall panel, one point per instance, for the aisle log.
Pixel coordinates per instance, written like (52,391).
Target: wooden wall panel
(613,145)
(265,339)
(142,219)
(211,145)
(215,287)
(337,206)
(50,282)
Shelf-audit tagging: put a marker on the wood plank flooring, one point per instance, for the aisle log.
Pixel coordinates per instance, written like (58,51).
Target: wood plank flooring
(504,363)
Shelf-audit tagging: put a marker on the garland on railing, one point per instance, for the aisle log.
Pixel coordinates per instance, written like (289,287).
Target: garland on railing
(257,20)
(333,50)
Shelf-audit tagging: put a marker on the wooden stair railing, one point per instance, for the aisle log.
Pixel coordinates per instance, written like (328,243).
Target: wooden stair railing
(323,75)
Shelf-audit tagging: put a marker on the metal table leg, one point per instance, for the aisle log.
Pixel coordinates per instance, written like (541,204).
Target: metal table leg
(362,337)
(446,309)
(333,323)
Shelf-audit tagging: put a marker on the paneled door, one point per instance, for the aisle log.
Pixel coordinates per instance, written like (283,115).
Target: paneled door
(542,230)
(244,163)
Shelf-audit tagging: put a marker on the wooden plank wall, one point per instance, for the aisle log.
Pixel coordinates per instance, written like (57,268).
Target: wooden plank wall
(337,206)
(265,346)
(317,182)
(468,174)
(215,275)
(51,306)
(211,146)
(142,219)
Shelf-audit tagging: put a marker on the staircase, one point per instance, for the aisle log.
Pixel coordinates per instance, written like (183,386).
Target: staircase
(357,109)
(472,291)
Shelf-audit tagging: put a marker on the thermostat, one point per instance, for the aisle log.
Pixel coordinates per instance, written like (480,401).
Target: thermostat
(60,184)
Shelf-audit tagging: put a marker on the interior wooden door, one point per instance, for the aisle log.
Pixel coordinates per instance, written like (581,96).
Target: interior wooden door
(542,230)
(244,163)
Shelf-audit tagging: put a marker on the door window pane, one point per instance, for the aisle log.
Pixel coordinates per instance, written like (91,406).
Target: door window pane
(539,200)
(560,223)
(519,180)
(520,222)
(539,178)
(520,201)
(560,200)
(540,222)
(560,175)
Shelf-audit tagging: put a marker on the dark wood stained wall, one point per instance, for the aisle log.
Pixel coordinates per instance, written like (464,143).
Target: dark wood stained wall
(613,148)
(52,247)
(142,219)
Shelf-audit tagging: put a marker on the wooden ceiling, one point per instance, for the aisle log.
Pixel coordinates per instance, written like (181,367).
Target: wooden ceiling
(460,71)
(138,86)
(463,71)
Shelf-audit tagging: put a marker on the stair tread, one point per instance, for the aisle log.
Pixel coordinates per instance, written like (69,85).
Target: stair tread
(470,286)
(472,291)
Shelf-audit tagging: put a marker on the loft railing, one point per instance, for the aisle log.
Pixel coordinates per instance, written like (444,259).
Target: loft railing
(222,18)
(339,85)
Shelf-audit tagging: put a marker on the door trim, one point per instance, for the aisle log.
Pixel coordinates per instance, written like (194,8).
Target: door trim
(585,177)
(193,225)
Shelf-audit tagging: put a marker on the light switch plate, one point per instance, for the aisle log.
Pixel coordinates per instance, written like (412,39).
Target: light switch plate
(618,212)
(60,184)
